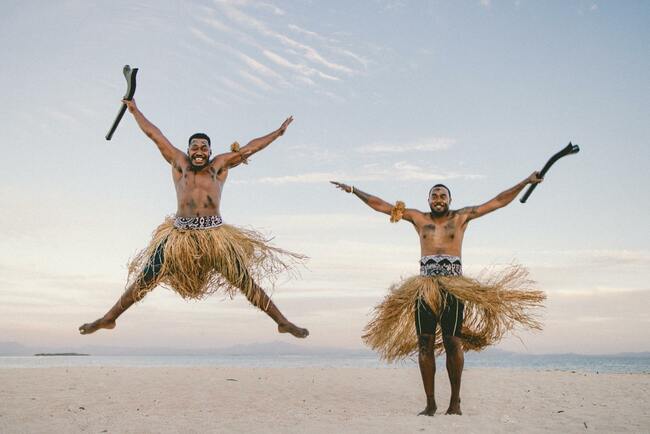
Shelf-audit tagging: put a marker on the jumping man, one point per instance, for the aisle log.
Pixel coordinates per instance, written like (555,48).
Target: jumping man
(194,252)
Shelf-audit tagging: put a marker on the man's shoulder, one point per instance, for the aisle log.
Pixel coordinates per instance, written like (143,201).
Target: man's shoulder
(180,163)
(417,212)
(461,211)
(463,215)
(419,218)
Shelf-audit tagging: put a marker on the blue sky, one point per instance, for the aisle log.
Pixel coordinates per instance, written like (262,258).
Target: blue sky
(391,96)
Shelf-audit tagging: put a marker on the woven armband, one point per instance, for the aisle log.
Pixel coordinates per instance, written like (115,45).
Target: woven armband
(397,212)
(235,148)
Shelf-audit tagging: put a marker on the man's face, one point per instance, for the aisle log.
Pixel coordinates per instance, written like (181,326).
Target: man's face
(439,201)
(199,153)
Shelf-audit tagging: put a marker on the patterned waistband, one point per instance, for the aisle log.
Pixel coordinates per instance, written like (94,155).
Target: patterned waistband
(207,222)
(440,265)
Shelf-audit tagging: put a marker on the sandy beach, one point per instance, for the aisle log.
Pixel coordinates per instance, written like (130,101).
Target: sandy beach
(320,400)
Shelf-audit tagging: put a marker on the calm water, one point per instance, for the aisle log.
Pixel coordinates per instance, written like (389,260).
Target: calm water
(563,362)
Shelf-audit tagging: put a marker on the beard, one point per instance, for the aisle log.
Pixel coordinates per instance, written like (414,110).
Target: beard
(436,213)
(197,167)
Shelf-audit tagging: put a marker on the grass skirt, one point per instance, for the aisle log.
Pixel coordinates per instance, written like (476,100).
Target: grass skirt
(199,262)
(492,308)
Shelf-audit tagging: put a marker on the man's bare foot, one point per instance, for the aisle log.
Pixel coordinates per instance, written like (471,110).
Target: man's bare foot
(454,408)
(429,411)
(293,329)
(92,327)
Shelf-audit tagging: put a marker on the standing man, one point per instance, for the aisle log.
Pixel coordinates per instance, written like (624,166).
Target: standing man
(194,252)
(471,314)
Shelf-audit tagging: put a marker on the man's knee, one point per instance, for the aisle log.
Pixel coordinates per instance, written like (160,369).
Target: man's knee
(452,344)
(427,345)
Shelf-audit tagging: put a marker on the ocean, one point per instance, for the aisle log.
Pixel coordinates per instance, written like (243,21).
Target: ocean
(634,363)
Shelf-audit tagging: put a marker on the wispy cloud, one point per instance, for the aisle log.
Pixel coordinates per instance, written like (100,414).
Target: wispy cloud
(309,178)
(308,51)
(235,86)
(256,80)
(302,178)
(255,66)
(424,145)
(329,42)
(261,68)
(362,60)
(297,67)
(407,171)
(271,7)
(401,170)
(275,52)
(299,29)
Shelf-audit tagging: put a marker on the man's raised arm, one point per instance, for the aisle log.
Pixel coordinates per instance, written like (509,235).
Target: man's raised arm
(376,203)
(168,151)
(501,200)
(232,159)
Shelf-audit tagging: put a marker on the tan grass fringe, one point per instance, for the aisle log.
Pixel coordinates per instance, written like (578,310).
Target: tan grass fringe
(236,148)
(199,262)
(492,308)
(397,211)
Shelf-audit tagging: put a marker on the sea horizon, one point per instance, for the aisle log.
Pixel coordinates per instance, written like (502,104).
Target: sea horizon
(633,363)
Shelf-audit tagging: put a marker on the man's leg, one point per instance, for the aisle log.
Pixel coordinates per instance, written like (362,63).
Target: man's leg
(427,362)
(425,323)
(451,323)
(258,298)
(133,293)
(126,300)
(455,363)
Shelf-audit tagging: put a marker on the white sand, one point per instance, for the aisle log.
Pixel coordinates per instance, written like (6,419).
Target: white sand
(322,400)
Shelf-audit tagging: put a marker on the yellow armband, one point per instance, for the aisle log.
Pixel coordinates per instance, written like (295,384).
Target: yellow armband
(236,148)
(397,212)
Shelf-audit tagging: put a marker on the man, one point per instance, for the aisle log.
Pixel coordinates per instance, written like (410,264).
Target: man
(471,314)
(195,253)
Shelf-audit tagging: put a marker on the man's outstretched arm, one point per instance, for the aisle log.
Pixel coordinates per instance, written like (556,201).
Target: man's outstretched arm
(232,159)
(374,202)
(168,151)
(501,200)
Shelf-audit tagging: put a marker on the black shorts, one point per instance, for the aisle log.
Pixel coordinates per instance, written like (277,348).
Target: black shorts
(154,264)
(451,320)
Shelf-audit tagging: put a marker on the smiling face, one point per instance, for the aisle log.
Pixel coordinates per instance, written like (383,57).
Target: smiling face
(439,200)
(199,152)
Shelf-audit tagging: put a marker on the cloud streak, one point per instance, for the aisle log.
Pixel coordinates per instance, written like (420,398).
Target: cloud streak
(401,170)
(308,51)
(251,33)
(297,67)
(423,145)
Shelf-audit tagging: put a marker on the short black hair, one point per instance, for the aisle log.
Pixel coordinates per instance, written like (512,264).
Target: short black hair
(443,186)
(198,136)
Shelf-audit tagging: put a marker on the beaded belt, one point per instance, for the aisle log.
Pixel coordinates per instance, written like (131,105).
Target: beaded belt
(440,265)
(207,222)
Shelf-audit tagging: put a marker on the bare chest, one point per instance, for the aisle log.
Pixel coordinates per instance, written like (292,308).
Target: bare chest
(187,180)
(198,192)
(437,234)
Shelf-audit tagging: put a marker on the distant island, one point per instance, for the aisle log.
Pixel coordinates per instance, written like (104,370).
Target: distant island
(61,354)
